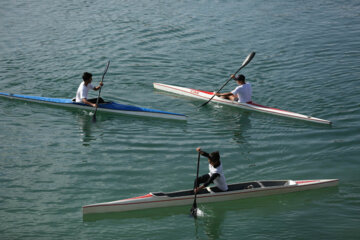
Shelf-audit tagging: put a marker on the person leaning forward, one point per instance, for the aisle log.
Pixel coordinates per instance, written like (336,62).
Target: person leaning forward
(215,174)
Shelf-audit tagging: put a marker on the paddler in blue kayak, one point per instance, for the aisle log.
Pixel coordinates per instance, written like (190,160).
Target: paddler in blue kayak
(215,174)
(241,93)
(83,90)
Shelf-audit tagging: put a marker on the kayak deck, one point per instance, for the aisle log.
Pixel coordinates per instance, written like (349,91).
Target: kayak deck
(213,194)
(204,95)
(103,107)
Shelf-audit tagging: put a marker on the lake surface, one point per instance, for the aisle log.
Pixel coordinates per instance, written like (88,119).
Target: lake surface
(53,161)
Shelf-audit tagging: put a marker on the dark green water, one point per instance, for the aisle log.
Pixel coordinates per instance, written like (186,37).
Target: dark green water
(53,160)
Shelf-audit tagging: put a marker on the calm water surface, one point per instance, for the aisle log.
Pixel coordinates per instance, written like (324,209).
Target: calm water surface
(54,160)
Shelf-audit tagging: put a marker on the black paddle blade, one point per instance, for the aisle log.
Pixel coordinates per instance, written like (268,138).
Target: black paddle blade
(107,67)
(193,212)
(94,118)
(194,206)
(248,59)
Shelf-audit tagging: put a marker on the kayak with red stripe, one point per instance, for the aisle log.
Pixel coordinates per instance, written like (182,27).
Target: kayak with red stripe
(210,194)
(205,95)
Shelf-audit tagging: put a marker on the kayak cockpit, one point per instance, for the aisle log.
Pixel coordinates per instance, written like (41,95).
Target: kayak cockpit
(231,188)
(274,183)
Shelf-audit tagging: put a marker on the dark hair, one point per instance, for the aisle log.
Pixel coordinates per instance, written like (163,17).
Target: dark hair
(214,157)
(240,78)
(87,76)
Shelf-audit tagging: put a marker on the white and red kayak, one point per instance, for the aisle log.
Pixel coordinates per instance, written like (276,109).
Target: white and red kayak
(204,95)
(207,195)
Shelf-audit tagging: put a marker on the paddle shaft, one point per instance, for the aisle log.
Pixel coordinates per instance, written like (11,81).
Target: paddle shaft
(246,61)
(97,100)
(194,207)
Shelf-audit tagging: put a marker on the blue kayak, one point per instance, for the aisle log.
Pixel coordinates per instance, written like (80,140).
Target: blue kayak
(103,107)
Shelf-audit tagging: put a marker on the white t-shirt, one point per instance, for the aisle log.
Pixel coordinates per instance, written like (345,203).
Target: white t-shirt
(243,93)
(83,91)
(219,181)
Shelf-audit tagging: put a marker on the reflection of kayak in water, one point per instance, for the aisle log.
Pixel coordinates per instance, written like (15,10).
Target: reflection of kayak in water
(213,194)
(204,95)
(111,107)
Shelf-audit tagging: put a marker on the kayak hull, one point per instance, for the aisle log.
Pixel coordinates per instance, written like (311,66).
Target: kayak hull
(204,95)
(208,195)
(110,107)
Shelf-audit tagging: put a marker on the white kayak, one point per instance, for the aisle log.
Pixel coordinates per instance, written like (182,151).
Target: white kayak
(204,95)
(213,194)
(111,107)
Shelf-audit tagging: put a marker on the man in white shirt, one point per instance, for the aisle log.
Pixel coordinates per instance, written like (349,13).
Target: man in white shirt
(83,90)
(241,93)
(215,174)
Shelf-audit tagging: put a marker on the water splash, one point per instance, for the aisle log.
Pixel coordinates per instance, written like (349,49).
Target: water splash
(200,213)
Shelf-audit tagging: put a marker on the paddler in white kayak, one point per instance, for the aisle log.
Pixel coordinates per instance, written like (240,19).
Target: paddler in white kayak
(83,90)
(241,93)
(215,175)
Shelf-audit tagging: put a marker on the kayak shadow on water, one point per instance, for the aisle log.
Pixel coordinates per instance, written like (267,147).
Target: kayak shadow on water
(157,213)
(242,125)
(228,112)
(214,214)
(238,123)
(87,126)
(85,123)
(90,129)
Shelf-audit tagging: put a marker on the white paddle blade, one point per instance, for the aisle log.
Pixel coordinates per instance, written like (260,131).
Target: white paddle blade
(199,213)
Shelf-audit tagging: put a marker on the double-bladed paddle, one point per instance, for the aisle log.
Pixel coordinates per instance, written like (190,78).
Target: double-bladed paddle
(194,206)
(246,61)
(97,100)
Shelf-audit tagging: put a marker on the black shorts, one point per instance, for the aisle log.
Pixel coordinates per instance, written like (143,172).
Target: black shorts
(203,179)
(93,100)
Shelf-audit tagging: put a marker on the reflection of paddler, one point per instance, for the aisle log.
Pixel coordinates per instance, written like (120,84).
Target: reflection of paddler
(215,174)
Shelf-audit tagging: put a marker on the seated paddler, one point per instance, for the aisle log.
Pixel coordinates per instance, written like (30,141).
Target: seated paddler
(84,87)
(215,174)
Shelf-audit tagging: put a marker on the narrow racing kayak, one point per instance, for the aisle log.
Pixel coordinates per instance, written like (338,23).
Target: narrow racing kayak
(204,95)
(111,107)
(207,195)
